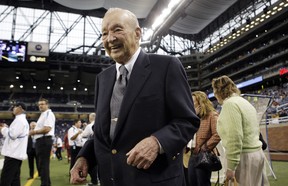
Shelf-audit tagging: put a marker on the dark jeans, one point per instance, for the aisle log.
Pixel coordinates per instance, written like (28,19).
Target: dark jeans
(10,175)
(43,149)
(198,177)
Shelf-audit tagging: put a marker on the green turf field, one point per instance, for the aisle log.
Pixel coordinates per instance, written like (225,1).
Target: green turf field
(59,174)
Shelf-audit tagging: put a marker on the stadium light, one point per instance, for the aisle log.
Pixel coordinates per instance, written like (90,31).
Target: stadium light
(162,21)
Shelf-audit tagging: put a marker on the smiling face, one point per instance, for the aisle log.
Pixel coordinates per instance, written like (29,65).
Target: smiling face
(120,34)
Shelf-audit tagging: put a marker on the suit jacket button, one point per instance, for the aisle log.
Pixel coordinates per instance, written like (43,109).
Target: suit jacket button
(174,158)
(114,151)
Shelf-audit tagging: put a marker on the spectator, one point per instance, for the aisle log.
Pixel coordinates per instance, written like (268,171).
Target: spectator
(43,133)
(67,147)
(75,140)
(59,145)
(31,152)
(206,138)
(15,146)
(88,134)
(238,129)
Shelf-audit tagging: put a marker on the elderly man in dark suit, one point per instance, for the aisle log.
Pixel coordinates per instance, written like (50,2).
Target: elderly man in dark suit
(142,144)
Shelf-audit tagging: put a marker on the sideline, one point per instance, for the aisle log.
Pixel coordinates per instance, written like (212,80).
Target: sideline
(29,182)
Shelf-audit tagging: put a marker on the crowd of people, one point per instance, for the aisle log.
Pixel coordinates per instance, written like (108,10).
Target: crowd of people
(146,115)
(36,141)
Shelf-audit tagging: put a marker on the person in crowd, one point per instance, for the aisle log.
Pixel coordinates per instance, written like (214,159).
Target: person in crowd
(31,152)
(141,143)
(58,145)
(239,131)
(67,147)
(88,134)
(15,146)
(206,138)
(43,134)
(88,131)
(75,140)
(186,157)
(84,125)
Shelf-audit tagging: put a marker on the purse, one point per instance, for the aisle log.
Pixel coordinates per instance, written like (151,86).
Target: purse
(207,160)
(232,182)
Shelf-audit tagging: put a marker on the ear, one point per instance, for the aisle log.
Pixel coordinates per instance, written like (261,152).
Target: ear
(138,33)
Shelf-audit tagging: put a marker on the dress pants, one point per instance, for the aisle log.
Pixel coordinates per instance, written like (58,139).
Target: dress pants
(93,172)
(197,176)
(74,150)
(10,175)
(43,150)
(31,157)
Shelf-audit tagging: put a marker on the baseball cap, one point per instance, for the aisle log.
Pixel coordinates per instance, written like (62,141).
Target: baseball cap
(20,104)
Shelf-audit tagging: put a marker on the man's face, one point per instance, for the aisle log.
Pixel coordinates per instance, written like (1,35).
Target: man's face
(120,38)
(78,124)
(43,106)
(17,110)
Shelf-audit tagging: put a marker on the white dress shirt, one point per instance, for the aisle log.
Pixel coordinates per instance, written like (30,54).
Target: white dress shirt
(78,141)
(59,142)
(47,118)
(88,131)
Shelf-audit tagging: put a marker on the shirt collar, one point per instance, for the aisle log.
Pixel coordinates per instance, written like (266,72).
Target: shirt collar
(129,65)
(21,115)
(47,110)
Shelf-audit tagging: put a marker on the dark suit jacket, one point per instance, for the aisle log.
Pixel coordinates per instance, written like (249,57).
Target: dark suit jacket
(157,102)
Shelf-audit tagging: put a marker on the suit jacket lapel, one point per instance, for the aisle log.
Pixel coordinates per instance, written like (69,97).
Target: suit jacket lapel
(107,84)
(140,73)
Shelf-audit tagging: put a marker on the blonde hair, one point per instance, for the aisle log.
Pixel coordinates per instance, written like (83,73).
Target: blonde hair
(224,87)
(205,104)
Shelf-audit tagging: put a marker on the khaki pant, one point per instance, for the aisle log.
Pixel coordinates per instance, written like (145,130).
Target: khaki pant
(251,169)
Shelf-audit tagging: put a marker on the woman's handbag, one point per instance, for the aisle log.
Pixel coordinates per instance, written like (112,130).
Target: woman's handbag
(232,182)
(207,160)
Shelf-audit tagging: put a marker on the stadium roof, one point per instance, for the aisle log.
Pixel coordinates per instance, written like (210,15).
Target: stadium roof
(195,18)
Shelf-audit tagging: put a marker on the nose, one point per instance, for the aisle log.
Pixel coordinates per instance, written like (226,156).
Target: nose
(111,37)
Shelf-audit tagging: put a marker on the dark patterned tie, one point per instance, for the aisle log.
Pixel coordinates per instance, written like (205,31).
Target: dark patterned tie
(117,96)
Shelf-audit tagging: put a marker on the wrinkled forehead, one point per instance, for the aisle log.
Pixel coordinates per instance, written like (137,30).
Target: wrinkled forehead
(116,18)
